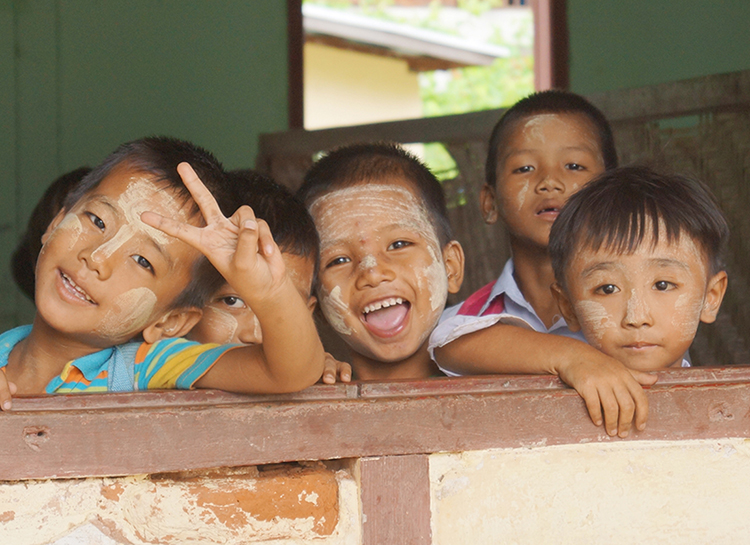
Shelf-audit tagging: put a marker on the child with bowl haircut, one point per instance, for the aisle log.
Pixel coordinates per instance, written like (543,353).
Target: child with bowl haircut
(543,150)
(227,319)
(121,276)
(387,260)
(637,258)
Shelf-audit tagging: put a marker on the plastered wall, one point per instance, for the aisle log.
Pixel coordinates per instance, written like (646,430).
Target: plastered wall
(625,492)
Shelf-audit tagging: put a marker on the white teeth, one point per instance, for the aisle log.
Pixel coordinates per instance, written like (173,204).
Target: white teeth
(383,304)
(75,286)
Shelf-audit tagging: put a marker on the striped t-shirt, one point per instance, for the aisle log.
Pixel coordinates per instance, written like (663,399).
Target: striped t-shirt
(169,363)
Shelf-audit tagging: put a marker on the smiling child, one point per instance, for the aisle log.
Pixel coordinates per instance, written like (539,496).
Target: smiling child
(122,275)
(543,150)
(388,260)
(637,257)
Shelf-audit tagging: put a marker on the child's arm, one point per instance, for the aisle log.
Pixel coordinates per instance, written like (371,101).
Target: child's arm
(603,382)
(243,251)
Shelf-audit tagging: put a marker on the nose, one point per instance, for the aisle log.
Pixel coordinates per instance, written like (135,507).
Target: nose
(96,260)
(372,271)
(550,180)
(637,311)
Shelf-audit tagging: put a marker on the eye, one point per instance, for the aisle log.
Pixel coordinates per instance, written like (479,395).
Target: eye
(663,285)
(575,166)
(397,245)
(143,262)
(607,289)
(524,169)
(232,301)
(337,261)
(96,220)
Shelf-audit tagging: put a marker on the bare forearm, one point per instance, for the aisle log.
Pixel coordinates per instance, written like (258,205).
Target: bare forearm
(509,349)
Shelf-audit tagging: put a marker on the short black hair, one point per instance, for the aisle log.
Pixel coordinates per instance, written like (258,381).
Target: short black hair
(372,163)
(553,101)
(620,206)
(291,225)
(23,262)
(159,156)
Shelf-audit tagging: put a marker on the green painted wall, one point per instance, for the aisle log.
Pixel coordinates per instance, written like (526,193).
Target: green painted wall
(80,77)
(629,43)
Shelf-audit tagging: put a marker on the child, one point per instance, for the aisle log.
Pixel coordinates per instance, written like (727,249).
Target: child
(122,261)
(637,258)
(544,149)
(24,257)
(388,260)
(226,317)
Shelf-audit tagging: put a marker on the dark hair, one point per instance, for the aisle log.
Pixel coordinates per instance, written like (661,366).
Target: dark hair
(291,225)
(23,262)
(374,163)
(618,208)
(159,156)
(552,101)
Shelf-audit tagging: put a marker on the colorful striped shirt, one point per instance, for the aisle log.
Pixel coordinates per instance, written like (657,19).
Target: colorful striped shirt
(169,363)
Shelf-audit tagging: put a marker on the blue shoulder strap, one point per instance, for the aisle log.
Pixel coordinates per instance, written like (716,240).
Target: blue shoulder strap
(121,371)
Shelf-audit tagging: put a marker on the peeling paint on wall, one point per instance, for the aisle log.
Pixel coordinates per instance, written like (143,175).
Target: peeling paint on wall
(286,505)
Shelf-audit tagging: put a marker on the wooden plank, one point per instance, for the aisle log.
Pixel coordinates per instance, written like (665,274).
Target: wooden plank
(418,419)
(395,500)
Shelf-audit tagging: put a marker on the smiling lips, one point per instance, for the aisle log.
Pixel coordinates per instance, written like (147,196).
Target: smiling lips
(386,318)
(74,289)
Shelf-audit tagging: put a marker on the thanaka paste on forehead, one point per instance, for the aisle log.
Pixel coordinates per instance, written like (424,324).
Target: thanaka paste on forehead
(129,314)
(139,196)
(532,128)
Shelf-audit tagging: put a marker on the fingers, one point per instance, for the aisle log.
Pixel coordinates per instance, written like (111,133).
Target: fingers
(333,369)
(641,408)
(644,379)
(202,196)
(180,230)
(7,389)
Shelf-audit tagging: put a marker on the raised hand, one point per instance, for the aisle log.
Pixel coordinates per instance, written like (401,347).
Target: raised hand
(241,247)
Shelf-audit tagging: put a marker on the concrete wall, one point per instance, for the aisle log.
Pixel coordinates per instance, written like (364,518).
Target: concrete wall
(632,43)
(82,76)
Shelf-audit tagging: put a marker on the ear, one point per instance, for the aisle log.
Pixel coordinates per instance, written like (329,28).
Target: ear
(312,302)
(175,323)
(453,258)
(53,225)
(488,204)
(715,290)
(566,307)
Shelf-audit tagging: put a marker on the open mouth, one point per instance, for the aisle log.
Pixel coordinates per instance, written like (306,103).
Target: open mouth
(75,290)
(548,211)
(387,316)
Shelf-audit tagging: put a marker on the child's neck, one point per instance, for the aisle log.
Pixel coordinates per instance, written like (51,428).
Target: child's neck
(41,356)
(417,366)
(534,275)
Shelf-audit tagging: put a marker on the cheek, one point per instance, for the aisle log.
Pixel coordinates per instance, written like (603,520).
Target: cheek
(70,227)
(686,315)
(595,321)
(335,311)
(130,313)
(217,326)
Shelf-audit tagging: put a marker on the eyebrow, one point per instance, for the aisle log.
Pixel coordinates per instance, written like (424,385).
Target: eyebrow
(665,262)
(533,150)
(601,266)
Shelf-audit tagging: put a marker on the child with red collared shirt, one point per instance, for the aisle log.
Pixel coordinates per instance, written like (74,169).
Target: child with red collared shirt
(543,150)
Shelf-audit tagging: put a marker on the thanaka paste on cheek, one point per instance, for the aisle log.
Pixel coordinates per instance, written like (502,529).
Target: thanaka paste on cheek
(222,324)
(686,316)
(129,314)
(594,318)
(334,309)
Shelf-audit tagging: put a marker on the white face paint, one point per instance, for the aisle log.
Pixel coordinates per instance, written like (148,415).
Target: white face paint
(139,196)
(641,308)
(129,313)
(383,279)
(221,324)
